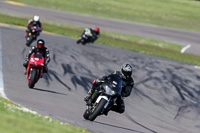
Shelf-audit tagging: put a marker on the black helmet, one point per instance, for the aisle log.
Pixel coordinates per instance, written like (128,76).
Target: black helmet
(40,43)
(126,70)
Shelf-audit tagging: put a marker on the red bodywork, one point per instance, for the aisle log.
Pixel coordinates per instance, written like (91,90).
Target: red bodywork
(36,62)
(34,27)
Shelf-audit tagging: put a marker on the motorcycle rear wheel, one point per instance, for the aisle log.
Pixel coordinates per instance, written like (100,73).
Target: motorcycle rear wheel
(86,114)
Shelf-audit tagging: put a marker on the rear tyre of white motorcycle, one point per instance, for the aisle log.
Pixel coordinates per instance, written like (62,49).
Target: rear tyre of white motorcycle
(98,110)
(33,78)
(86,114)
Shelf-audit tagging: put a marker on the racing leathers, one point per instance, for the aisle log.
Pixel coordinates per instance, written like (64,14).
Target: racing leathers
(45,53)
(91,34)
(30,23)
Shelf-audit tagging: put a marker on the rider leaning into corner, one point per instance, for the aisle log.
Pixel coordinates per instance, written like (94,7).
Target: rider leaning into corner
(128,83)
(36,22)
(40,47)
(92,33)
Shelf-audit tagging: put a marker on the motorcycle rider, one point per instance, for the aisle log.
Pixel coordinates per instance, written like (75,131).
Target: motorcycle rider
(40,47)
(128,83)
(93,34)
(36,22)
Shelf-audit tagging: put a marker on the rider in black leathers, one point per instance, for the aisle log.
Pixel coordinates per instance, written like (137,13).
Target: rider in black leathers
(95,33)
(36,22)
(128,83)
(40,47)
(92,34)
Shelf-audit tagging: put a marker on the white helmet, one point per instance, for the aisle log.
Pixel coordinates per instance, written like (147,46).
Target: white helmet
(36,18)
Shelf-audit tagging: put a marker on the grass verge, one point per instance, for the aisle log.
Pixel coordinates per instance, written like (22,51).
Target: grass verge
(133,43)
(14,119)
(182,14)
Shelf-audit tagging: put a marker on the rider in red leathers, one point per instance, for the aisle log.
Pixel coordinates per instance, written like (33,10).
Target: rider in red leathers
(40,47)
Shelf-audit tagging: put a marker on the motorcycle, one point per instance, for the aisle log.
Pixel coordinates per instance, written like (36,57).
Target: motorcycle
(104,97)
(33,32)
(86,37)
(34,69)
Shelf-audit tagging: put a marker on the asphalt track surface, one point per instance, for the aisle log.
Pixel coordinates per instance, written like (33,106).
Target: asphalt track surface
(165,97)
(181,37)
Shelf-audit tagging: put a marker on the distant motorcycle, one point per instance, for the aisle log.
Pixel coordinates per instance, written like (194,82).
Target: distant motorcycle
(86,37)
(33,32)
(35,69)
(104,98)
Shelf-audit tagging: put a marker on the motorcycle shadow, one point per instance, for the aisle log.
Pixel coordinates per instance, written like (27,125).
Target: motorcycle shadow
(48,91)
(124,128)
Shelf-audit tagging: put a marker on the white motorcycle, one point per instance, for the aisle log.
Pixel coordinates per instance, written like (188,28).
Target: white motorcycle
(104,97)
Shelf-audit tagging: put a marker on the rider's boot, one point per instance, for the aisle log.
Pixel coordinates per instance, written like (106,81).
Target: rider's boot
(25,35)
(25,64)
(45,70)
(88,98)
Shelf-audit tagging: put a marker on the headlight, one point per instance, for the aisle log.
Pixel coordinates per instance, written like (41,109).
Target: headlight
(109,91)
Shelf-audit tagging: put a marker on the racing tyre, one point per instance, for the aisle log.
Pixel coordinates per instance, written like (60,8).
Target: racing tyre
(29,40)
(33,78)
(97,111)
(86,114)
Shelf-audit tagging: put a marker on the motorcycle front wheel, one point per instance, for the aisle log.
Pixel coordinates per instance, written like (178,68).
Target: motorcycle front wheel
(32,78)
(29,40)
(97,110)
(78,41)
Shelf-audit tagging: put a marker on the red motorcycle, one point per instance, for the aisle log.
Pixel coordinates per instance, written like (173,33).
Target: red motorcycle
(35,69)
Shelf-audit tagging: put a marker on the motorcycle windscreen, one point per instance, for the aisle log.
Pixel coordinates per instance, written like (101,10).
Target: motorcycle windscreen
(38,55)
(114,82)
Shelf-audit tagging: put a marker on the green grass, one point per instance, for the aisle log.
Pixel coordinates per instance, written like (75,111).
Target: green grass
(182,14)
(13,120)
(133,43)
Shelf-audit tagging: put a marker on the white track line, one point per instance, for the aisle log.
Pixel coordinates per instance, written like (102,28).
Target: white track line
(185,48)
(1,72)
(197,67)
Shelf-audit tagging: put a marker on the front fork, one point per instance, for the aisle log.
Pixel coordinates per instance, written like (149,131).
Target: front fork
(108,99)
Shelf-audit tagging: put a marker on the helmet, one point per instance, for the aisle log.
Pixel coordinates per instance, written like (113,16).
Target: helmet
(126,70)
(36,18)
(40,43)
(96,29)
